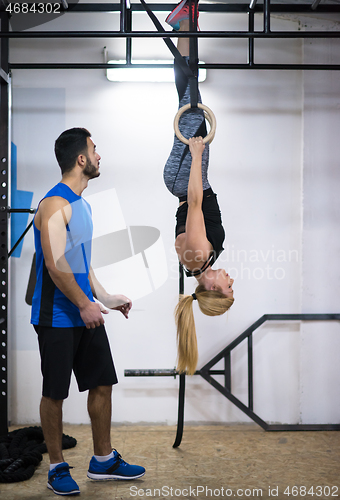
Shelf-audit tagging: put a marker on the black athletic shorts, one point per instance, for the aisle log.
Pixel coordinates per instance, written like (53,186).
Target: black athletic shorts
(86,352)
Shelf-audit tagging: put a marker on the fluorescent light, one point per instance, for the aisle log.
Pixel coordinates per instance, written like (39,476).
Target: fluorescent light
(126,73)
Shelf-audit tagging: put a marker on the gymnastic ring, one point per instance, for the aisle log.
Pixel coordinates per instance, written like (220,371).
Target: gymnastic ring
(209,115)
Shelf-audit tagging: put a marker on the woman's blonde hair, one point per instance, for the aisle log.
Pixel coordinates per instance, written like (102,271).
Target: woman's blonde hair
(211,303)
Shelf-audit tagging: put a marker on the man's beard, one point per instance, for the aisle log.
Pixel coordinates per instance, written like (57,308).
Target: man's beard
(90,170)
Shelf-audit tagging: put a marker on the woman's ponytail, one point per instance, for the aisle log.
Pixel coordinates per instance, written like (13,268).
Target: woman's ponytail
(211,303)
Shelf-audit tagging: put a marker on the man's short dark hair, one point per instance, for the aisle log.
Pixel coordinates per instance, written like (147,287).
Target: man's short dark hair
(69,145)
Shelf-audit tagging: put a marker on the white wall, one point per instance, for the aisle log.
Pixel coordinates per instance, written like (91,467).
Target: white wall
(273,166)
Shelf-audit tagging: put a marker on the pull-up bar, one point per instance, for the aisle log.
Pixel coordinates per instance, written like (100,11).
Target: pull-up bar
(170,34)
(245,66)
(300,8)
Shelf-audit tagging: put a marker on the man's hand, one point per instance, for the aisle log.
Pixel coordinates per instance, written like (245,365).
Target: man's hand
(91,314)
(118,303)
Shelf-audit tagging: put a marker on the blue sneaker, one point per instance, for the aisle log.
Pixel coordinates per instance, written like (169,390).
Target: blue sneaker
(61,482)
(115,468)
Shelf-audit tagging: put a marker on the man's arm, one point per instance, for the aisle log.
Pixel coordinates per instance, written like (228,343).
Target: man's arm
(53,215)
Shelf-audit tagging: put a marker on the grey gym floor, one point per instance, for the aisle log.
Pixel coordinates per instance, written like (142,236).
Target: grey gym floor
(240,461)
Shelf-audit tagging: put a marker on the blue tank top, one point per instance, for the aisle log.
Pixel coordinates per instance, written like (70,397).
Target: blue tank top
(50,307)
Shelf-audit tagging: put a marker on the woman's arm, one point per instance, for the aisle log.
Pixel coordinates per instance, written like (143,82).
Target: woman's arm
(196,238)
(195,187)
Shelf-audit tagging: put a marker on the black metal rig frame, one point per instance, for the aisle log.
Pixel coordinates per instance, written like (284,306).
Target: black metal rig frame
(208,374)
(126,11)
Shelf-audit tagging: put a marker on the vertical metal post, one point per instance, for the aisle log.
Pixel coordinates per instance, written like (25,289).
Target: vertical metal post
(251,24)
(227,372)
(4,167)
(122,15)
(128,28)
(126,25)
(266,16)
(250,373)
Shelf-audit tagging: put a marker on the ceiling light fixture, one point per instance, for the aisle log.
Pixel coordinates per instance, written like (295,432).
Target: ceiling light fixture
(145,71)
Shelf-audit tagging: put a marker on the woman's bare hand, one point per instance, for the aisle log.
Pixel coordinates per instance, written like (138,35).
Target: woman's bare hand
(196,146)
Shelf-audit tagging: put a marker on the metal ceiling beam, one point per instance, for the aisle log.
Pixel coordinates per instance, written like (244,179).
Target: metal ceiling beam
(171,34)
(76,66)
(227,7)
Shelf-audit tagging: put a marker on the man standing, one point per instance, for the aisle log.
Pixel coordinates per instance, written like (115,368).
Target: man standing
(69,323)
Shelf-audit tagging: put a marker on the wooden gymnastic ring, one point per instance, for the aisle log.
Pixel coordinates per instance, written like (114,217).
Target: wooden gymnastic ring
(209,115)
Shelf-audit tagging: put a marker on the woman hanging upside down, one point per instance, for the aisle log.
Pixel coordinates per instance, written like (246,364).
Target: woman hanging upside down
(199,230)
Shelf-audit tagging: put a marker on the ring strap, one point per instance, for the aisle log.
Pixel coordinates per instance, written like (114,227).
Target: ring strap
(193,55)
(172,47)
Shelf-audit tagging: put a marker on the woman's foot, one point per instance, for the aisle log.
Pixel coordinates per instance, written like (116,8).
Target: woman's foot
(181,13)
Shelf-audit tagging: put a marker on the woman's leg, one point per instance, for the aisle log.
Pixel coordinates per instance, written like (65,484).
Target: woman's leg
(192,124)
